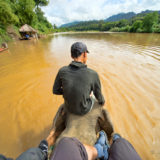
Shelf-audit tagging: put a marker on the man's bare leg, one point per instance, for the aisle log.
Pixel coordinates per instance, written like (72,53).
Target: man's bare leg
(91,151)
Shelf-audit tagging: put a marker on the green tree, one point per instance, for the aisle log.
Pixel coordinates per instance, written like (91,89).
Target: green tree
(41,23)
(26,12)
(122,23)
(42,19)
(149,20)
(40,14)
(107,26)
(54,26)
(41,2)
(156,28)
(136,25)
(7,16)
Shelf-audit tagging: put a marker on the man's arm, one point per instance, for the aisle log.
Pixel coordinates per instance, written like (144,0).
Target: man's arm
(40,152)
(97,90)
(57,87)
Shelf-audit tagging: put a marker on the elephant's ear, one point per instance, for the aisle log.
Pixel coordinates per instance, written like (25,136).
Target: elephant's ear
(105,123)
(59,122)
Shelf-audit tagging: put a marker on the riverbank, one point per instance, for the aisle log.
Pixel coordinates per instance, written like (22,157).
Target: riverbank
(11,33)
(15,14)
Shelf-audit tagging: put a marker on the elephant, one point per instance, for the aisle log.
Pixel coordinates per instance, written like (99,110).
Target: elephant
(84,128)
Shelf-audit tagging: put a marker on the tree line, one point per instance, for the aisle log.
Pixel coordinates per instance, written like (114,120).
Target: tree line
(147,23)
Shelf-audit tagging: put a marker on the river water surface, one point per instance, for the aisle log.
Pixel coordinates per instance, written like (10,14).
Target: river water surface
(129,69)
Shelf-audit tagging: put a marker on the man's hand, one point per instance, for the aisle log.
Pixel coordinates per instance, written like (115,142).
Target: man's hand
(51,138)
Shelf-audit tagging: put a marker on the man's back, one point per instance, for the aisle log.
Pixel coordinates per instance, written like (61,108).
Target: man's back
(76,82)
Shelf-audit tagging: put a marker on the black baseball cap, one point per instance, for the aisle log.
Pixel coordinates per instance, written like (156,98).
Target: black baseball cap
(79,47)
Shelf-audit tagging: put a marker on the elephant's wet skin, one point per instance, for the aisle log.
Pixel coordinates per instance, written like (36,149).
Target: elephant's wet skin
(84,128)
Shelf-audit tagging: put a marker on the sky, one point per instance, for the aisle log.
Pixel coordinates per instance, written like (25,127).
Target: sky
(65,11)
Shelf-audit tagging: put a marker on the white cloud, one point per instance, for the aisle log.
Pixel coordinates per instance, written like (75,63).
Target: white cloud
(64,11)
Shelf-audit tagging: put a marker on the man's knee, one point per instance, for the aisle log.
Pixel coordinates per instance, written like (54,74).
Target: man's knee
(122,149)
(69,148)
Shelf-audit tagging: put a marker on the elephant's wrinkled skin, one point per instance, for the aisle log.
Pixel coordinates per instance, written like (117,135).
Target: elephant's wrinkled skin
(84,128)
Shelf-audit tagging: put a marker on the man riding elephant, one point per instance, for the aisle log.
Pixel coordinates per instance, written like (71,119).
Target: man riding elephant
(76,82)
(84,115)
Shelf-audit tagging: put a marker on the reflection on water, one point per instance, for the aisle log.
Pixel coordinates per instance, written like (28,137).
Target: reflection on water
(129,68)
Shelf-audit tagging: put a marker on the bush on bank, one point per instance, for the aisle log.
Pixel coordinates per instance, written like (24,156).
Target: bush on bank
(4,36)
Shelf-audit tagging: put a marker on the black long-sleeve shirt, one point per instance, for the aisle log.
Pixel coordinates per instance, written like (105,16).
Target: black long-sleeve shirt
(76,82)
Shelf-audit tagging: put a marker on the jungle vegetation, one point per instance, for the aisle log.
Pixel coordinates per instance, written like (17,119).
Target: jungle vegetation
(16,13)
(143,23)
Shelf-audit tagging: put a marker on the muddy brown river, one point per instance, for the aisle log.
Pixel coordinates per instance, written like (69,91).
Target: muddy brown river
(129,69)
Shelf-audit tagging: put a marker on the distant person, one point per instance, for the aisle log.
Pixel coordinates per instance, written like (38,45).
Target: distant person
(26,36)
(76,82)
(4,45)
